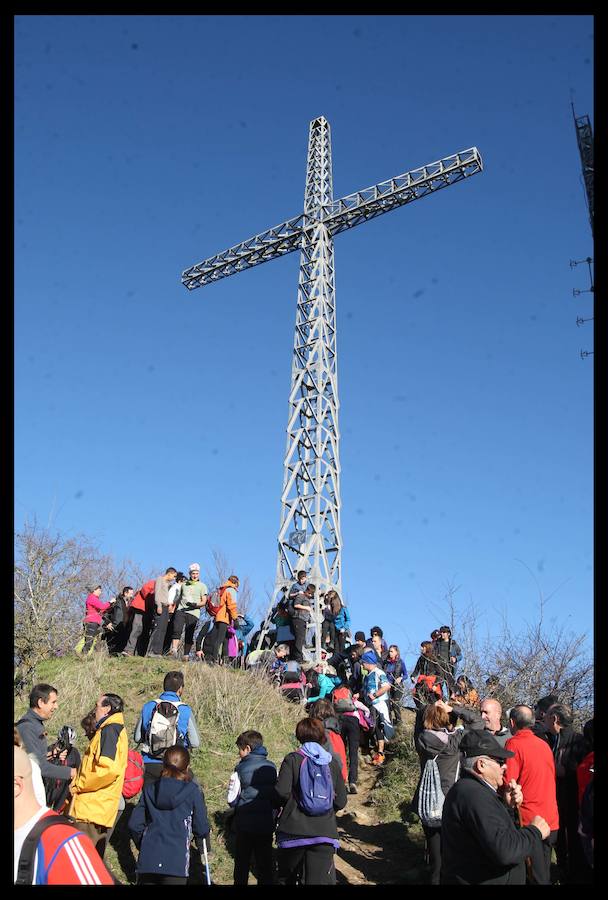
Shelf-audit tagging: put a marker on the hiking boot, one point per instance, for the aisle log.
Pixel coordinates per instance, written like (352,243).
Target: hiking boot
(377,759)
(352,788)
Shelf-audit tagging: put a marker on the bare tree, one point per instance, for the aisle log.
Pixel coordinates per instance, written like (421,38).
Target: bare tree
(221,570)
(53,574)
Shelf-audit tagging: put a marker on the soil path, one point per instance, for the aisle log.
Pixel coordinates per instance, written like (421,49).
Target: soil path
(373,852)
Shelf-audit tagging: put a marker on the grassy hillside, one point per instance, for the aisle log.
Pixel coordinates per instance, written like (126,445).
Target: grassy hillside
(225,702)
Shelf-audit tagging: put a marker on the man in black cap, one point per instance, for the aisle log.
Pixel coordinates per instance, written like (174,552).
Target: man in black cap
(480,843)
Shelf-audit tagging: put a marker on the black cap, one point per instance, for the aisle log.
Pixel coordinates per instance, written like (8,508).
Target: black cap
(483,743)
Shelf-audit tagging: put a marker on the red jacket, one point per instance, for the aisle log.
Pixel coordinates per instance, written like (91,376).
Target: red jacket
(67,856)
(337,745)
(145,595)
(533,767)
(584,775)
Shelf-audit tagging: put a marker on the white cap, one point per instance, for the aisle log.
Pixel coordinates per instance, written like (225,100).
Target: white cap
(194,567)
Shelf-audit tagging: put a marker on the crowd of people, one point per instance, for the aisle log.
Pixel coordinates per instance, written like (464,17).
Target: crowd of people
(499,787)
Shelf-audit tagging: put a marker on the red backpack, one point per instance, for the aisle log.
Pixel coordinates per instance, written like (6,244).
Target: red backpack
(134,775)
(214,603)
(342,699)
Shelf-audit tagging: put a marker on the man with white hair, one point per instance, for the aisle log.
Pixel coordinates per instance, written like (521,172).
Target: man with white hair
(480,843)
(47,848)
(491,711)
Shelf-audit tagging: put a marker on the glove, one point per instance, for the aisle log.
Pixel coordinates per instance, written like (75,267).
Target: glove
(199,843)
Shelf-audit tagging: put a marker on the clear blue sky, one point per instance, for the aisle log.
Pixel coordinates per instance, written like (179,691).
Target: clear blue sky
(154,419)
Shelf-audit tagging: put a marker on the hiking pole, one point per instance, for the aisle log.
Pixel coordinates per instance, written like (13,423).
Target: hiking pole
(206,861)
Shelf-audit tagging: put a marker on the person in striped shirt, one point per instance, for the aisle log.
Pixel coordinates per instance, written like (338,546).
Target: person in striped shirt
(63,854)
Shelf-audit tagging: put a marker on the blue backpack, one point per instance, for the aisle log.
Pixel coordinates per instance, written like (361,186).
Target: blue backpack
(316,793)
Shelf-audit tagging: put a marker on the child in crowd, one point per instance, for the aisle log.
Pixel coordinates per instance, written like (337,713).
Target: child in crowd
(251,795)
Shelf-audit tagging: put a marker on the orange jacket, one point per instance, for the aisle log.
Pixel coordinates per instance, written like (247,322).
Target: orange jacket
(228,610)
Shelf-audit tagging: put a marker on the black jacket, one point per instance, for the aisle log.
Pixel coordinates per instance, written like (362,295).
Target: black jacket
(568,748)
(33,734)
(480,843)
(295,821)
(426,665)
(430,745)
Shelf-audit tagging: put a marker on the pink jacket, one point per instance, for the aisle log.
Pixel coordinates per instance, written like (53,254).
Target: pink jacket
(94,608)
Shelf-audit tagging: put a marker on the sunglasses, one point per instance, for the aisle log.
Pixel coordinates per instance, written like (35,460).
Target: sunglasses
(496,759)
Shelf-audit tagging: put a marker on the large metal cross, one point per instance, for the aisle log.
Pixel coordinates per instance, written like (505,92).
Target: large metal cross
(309,533)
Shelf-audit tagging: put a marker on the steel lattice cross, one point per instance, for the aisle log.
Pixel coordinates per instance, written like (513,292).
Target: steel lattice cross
(309,533)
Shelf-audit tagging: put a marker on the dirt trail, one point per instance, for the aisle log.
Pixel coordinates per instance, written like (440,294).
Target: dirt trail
(373,852)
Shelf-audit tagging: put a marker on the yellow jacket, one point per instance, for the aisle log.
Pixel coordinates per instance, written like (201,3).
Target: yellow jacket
(228,610)
(98,786)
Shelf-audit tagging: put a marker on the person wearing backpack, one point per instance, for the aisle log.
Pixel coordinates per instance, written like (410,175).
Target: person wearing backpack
(438,743)
(225,615)
(345,707)
(310,789)
(170,812)
(251,794)
(324,710)
(396,674)
(376,688)
(48,849)
(189,612)
(163,723)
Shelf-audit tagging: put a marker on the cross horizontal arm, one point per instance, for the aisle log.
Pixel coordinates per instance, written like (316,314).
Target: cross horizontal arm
(337,216)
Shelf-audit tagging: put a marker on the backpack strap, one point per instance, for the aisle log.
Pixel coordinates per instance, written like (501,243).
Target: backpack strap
(25,867)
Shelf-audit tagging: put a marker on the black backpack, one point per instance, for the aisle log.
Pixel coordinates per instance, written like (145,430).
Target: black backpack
(25,868)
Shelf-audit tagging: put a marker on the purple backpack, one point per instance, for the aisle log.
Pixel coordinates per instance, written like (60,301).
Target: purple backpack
(316,789)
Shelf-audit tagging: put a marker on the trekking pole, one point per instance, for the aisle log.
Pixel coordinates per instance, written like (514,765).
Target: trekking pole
(206,861)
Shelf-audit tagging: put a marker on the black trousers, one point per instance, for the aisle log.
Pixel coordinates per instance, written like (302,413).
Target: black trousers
(90,630)
(298,626)
(350,731)
(328,629)
(315,862)
(159,631)
(259,846)
(433,843)
(219,633)
(568,847)
(541,859)
(153,878)
(340,641)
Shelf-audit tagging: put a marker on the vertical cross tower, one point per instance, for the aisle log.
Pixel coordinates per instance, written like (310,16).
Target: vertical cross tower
(309,532)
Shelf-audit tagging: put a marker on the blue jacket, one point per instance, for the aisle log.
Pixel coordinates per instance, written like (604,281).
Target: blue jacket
(241,633)
(326,685)
(186,726)
(162,824)
(254,805)
(342,619)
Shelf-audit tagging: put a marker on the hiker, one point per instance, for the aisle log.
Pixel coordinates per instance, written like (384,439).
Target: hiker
(243,626)
(330,609)
(94,607)
(163,723)
(166,597)
(115,621)
(97,788)
(64,753)
(281,619)
(533,768)
(396,674)
(448,654)
(439,741)
(380,646)
(251,794)
(189,612)
(37,782)
(61,853)
(352,717)
(491,713)
(327,680)
(568,747)
(300,610)
(334,744)
(225,616)
(480,843)
(160,612)
(464,692)
(307,834)
(171,810)
(140,612)
(356,651)
(426,676)
(342,626)
(32,729)
(376,688)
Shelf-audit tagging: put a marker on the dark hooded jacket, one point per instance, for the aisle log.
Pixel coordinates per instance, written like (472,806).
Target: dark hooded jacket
(480,843)
(169,813)
(254,807)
